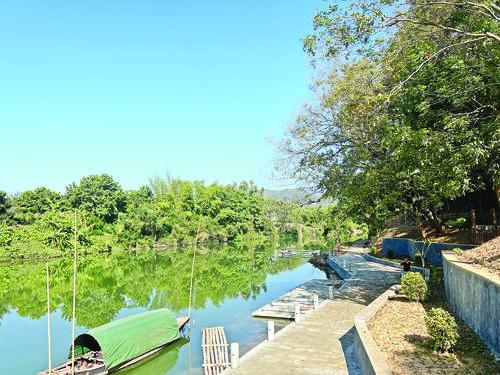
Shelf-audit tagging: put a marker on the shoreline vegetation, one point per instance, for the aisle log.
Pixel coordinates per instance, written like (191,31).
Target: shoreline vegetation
(166,213)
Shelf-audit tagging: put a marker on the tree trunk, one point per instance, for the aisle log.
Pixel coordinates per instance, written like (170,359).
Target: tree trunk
(420,226)
(436,222)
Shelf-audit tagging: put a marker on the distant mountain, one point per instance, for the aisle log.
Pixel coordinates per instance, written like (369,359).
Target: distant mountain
(296,195)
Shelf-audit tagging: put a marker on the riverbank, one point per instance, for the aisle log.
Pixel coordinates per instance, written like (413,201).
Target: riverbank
(324,339)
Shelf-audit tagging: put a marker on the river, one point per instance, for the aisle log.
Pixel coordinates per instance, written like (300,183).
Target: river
(229,284)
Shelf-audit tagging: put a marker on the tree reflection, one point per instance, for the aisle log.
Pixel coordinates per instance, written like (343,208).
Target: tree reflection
(109,283)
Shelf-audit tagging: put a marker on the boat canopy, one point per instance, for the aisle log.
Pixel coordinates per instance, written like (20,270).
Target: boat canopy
(125,339)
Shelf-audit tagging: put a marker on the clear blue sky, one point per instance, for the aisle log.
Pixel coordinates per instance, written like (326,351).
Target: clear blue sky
(139,88)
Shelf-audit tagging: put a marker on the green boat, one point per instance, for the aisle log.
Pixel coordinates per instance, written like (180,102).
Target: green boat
(122,343)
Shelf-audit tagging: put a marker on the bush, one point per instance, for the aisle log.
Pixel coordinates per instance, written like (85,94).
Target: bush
(457,251)
(414,286)
(460,222)
(442,328)
(5,235)
(373,250)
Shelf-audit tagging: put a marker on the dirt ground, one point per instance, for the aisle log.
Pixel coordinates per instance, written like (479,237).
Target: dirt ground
(411,231)
(485,256)
(400,332)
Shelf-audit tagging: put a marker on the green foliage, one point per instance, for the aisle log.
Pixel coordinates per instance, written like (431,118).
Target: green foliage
(57,230)
(408,117)
(442,327)
(167,213)
(457,223)
(30,204)
(4,204)
(5,236)
(373,250)
(457,251)
(110,283)
(420,250)
(97,195)
(414,286)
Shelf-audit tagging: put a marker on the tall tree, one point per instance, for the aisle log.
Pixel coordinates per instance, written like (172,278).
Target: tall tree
(97,195)
(30,204)
(408,118)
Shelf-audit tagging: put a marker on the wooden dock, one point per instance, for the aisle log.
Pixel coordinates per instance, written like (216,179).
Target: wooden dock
(215,350)
(303,295)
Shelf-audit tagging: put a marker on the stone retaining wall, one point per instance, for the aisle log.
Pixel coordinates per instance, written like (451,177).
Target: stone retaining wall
(403,247)
(475,297)
(369,356)
(340,268)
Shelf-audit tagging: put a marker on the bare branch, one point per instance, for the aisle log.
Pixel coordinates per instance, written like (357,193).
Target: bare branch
(447,28)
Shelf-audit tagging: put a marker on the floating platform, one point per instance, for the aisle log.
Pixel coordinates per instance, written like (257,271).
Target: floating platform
(215,350)
(296,253)
(303,295)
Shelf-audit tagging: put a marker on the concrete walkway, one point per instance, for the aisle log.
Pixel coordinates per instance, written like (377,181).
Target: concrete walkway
(322,343)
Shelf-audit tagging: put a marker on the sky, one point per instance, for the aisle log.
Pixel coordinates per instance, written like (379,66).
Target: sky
(137,89)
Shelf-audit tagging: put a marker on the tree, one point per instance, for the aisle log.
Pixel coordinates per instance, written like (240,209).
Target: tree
(57,230)
(30,204)
(364,27)
(403,123)
(97,195)
(4,204)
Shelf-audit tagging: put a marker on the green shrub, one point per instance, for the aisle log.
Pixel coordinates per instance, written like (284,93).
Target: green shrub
(414,286)
(5,235)
(457,251)
(442,328)
(373,250)
(460,222)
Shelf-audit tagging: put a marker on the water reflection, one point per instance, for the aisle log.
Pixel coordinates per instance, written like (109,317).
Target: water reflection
(160,363)
(107,284)
(229,283)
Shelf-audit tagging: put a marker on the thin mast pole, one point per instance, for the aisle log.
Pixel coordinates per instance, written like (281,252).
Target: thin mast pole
(74,302)
(192,264)
(48,318)
(192,274)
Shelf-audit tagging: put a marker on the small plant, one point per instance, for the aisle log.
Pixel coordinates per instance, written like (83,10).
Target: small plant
(414,286)
(460,222)
(373,250)
(420,252)
(442,327)
(390,254)
(457,251)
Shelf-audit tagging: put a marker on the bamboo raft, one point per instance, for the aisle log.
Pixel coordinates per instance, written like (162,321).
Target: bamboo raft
(215,350)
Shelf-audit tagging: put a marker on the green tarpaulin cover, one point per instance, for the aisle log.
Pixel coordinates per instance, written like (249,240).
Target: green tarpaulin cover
(127,338)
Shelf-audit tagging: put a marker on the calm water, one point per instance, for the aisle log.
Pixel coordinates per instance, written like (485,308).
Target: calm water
(229,284)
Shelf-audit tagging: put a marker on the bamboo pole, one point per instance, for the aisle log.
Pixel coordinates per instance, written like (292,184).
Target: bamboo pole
(192,264)
(192,274)
(74,303)
(48,319)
